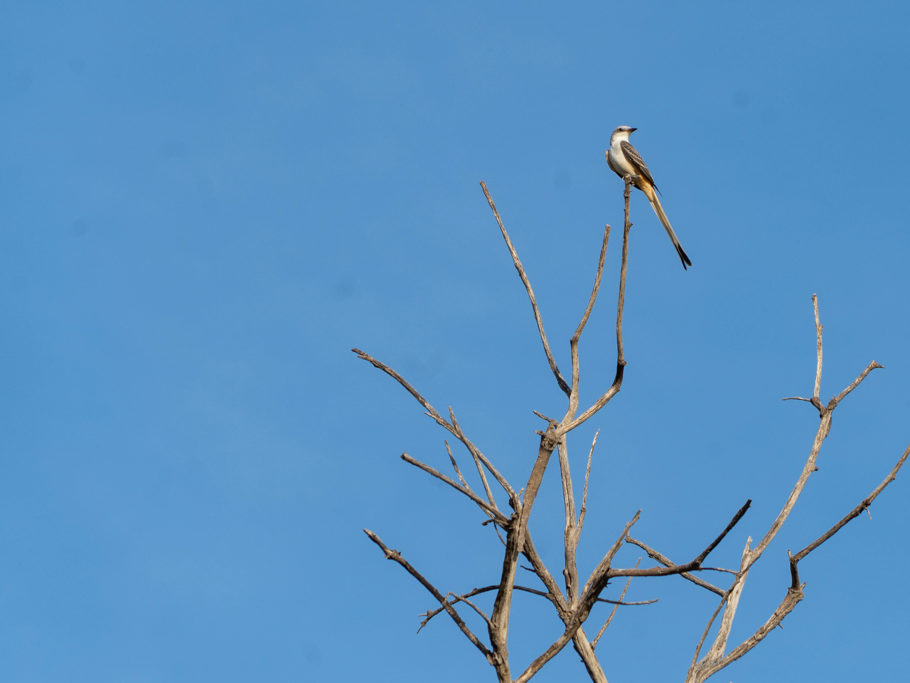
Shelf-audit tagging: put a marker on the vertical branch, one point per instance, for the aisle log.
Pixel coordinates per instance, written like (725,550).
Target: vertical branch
(573,342)
(818,352)
(627,226)
(515,540)
(584,495)
(570,538)
(568,423)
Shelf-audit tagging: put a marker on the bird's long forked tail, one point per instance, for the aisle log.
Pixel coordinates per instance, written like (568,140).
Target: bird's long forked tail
(659,210)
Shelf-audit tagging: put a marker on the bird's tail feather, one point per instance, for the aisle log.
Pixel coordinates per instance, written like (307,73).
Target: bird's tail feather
(659,210)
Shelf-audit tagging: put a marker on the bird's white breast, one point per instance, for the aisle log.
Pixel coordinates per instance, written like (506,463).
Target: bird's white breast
(619,159)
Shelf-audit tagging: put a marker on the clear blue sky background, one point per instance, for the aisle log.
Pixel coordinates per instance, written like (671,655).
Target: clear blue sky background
(205,205)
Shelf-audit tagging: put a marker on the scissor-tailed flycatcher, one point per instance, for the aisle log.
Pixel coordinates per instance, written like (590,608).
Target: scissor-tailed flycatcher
(623,158)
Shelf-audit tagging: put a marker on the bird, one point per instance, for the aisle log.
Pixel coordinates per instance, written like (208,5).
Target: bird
(625,160)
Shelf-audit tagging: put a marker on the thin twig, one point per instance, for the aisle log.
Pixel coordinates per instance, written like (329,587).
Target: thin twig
(818,350)
(573,342)
(396,556)
(431,412)
(712,664)
(500,518)
(715,659)
(455,466)
(527,283)
(667,562)
(832,404)
(478,455)
(688,566)
(704,634)
(596,288)
(853,514)
(599,575)
(615,608)
(429,614)
(584,495)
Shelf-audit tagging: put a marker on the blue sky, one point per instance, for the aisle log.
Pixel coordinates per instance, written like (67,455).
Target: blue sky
(206,205)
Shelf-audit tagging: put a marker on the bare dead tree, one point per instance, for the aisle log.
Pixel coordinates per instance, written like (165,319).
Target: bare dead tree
(574,600)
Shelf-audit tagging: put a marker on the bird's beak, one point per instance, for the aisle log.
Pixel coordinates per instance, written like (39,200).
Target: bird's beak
(632,130)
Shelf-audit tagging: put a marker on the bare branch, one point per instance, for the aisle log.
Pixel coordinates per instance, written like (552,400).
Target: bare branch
(515,540)
(453,427)
(620,356)
(711,665)
(818,350)
(715,660)
(627,226)
(570,537)
(832,404)
(689,566)
(527,283)
(667,562)
(596,288)
(500,518)
(853,514)
(431,411)
(475,452)
(429,614)
(738,516)
(704,636)
(797,398)
(599,575)
(731,601)
(580,640)
(455,466)
(584,495)
(461,598)
(826,413)
(396,556)
(573,342)
(616,607)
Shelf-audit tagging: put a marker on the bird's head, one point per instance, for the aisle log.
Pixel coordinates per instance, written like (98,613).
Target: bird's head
(622,133)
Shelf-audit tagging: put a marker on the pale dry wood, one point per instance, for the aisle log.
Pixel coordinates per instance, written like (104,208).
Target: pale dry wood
(667,562)
(450,610)
(500,518)
(717,658)
(455,466)
(573,606)
(570,543)
(453,427)
(580,640)
(614,388)
(574,341)
(515,537)
(560,380)
(818,351)
(693,565)
(584,495)
(794,592)
(615,608)
(429,614)
(853,514)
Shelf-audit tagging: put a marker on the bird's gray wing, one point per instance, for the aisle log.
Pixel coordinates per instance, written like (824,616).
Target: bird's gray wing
(635,159)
